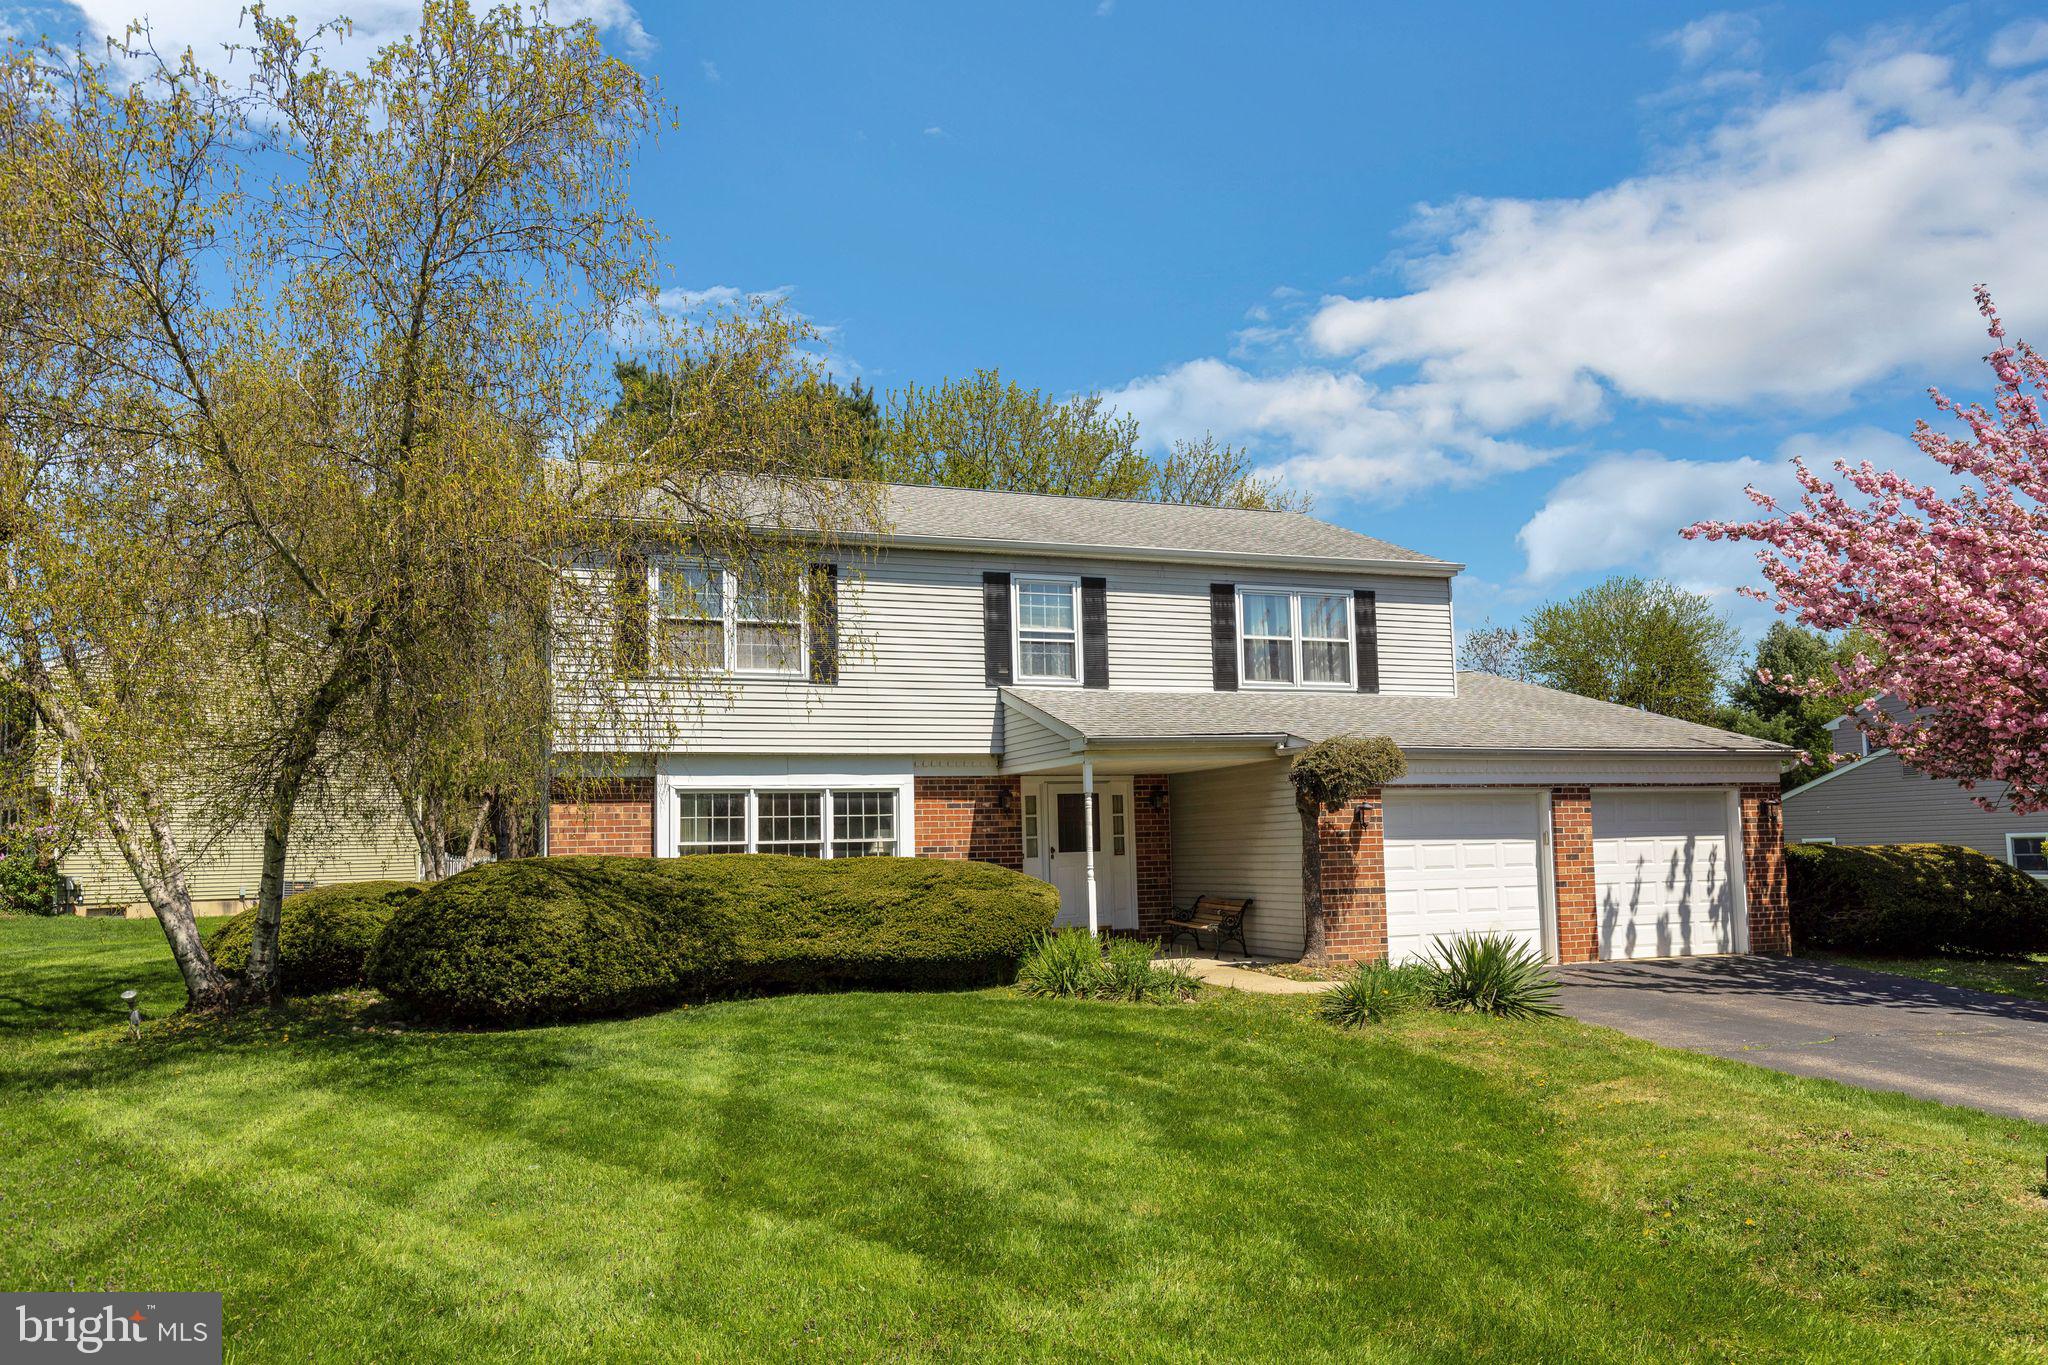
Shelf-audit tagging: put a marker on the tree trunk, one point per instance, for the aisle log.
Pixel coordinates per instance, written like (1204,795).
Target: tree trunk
(155,865)
(259,983)
(1314,937)
(501,827)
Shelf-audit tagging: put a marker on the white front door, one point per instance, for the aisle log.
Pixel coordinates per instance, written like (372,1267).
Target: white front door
(1461,863)
(1063,859)
(1662,870)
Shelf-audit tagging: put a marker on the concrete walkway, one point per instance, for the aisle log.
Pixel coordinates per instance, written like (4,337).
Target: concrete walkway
(1237,974)
(1869,1029)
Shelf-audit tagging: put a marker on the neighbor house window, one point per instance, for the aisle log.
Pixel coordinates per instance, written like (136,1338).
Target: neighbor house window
(1048,629)
(862,823)
(711,822)
(707,619)
(1295,639)
(2028,853)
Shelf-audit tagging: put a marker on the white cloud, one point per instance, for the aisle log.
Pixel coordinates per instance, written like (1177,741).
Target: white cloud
(1727,35)
(1329,430)
(935,131)
(1625,511)
(206,26)
(2020,44)
(1818,244)
(711,73)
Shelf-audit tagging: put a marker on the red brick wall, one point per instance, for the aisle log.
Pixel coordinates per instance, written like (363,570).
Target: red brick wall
(1152,831)
(1354,866)
(1571,854)
(971,817)
(1763,851)
(614,817)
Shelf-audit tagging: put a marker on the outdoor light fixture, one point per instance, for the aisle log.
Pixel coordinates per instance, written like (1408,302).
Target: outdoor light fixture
(134,1016)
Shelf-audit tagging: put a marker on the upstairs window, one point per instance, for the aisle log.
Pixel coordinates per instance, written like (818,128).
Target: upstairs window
(1291,638)
(1048,629)
(708,619)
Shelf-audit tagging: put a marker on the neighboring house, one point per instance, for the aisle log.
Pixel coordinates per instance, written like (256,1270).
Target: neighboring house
(1874,798)
(222,873)
(956,692)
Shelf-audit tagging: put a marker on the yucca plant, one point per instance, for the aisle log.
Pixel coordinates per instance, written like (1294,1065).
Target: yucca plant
(1372,993)
(1491,974)
(1067,962)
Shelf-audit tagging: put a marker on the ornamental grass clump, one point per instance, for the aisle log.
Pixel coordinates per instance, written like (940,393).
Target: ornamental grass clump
(1069,963)
(1372,993)
(1490,974)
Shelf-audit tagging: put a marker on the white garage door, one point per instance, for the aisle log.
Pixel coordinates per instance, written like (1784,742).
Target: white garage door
(1463,863)
(1662,869)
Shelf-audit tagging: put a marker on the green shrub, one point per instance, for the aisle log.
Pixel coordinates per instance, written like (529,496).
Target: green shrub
(1913,899)
(1333,772)
(1070,963)
(324,936)
(560,938)
(28,879)
(1489,974)
(1372,993)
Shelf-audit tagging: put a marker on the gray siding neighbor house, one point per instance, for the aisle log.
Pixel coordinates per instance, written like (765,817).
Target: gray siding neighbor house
(1876,799)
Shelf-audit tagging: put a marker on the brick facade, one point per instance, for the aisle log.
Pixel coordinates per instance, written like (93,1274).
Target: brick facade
(1763,870)
(981,818)
(1571,856)
(613,817)
(1352,843)
(1152,844)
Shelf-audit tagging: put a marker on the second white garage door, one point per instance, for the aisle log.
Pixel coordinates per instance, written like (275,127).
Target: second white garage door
(1662,870)
(1461,863)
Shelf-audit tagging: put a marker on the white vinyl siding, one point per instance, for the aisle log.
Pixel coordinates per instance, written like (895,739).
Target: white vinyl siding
(911,668)
(1026,741)
(1236,833)
(1880,801)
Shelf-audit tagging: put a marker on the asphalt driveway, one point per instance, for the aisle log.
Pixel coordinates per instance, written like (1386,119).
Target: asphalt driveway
(1811,1018)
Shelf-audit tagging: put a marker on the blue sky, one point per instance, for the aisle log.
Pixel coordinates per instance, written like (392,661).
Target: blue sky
(1524,286)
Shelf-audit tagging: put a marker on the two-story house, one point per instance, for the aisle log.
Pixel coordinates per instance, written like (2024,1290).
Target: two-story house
(999,656)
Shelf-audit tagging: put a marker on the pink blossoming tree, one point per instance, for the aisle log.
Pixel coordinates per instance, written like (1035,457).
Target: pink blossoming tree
(1954,587)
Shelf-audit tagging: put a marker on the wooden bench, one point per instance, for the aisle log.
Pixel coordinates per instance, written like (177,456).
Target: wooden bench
(1218,915)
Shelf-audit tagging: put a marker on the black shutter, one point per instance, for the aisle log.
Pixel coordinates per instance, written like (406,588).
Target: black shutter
(995,629)
(1094,632)
(824,623)
(1223,635)
(1365,615)
(629,607)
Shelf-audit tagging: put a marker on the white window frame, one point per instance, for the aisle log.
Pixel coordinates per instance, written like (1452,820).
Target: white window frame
(729,620)
(754,775)
(1294,593)
(2013,858)
(1072,583)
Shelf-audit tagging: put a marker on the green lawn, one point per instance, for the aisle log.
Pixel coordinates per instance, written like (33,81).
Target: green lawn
(982,1175)
(2021,976)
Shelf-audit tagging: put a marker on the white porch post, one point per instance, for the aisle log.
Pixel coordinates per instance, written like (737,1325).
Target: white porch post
(1088,833)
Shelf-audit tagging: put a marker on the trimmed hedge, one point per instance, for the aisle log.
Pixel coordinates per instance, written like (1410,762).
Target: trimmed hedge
(1913,899)
(561,938)
(324,936)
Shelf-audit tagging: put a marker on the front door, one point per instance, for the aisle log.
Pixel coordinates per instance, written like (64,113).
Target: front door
(1064,861)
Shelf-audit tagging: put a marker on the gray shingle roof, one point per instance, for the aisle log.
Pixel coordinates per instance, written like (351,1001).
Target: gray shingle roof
(1488,713)
(1039,521)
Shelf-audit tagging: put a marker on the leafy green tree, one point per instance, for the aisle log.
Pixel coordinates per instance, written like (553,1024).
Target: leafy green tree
(988,432)
(1635,642)
(1758,705)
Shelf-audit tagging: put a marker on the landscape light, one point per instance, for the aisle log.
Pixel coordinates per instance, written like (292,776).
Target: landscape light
(134,1016)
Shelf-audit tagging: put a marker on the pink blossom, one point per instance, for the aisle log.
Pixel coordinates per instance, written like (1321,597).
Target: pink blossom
(1955,587)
